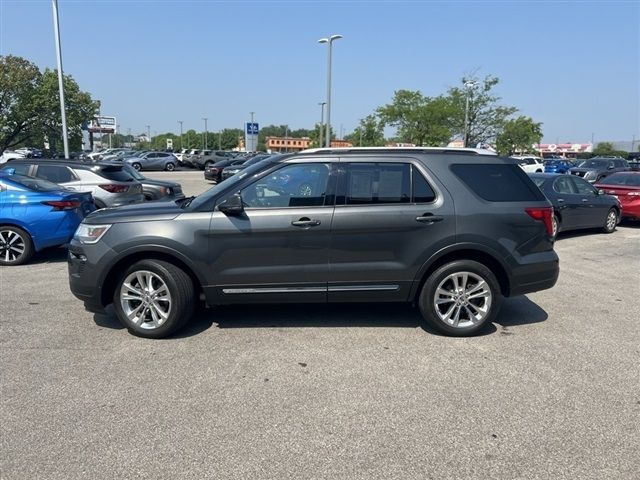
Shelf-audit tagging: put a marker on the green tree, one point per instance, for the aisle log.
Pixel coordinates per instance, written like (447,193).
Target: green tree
(486,117)
(19,82)
(229,139)
(420,120)
(518,135)
(314,135)
(370,133)
(30,106)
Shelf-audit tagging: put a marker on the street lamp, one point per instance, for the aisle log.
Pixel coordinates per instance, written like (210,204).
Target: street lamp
(329,41)
(322,104)
(56,28)
(205,132)
(181,141)
(468,85)
(251,135)
(148,134)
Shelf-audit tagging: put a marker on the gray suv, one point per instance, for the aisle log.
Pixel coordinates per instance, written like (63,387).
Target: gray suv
(452,231)
(109,184)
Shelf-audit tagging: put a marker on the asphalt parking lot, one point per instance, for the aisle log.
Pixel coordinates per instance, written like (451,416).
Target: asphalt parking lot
(552,390)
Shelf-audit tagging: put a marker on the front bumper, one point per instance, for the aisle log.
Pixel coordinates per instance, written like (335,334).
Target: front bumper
(86,276)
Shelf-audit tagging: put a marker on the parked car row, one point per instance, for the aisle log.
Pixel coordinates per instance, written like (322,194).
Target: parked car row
(33,190)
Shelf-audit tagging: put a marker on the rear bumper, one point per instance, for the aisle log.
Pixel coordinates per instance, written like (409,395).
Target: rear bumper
(535,276)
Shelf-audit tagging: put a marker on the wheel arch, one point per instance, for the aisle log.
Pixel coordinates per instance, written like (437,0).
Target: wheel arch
(114,273)
(475,253)
(22,226)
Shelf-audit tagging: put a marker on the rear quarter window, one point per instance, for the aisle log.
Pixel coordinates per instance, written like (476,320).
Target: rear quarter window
(116,174)
(498,182)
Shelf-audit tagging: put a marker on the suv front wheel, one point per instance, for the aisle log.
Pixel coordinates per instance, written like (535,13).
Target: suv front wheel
(154,298)
(460,298)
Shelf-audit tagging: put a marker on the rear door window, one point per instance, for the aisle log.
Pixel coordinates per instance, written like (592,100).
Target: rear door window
(498,182)
(564,185)
(20,168)
(55,173)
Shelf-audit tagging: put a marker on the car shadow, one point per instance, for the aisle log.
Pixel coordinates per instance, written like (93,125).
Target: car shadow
(50,255)
(515,312)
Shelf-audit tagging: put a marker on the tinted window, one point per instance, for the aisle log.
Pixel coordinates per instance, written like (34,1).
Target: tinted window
(376,183)
(300,185)
(564,185)
(628,179)
(35,184)
(582,186)
(498,182)
(422,191)
(55,173)
(19,168)
(116,174)
(601,164)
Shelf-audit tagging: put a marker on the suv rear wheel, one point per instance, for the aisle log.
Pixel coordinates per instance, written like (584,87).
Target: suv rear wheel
(153,298)
(460,298)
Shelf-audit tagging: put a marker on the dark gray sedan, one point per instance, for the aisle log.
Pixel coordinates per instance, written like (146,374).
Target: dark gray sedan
(577,204)
(156,189)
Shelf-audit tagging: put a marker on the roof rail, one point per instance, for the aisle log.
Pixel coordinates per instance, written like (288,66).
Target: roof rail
(458,150)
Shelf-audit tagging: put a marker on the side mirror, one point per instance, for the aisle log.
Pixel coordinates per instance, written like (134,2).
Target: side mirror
(610,167)
(232,205)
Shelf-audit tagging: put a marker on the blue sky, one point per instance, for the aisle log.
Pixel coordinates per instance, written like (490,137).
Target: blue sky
(575,66)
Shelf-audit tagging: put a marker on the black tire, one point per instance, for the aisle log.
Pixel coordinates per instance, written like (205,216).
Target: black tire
(556,226)
(16,246)
(610,221)
(137,166)
(182,299)
(170,167)
(466,326)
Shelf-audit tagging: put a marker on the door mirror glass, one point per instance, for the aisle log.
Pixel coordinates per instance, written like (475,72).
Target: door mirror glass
(232,205)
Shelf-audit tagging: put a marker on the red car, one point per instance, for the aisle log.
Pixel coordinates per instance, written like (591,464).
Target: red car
(625,186)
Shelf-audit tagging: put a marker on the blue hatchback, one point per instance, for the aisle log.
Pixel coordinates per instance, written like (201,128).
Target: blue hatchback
(557,166)
(36,214)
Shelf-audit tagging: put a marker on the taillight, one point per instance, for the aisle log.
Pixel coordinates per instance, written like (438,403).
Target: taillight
(114,188)
(63,204)
(542,214)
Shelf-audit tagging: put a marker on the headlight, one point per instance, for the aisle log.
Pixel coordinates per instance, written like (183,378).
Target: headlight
(89,234)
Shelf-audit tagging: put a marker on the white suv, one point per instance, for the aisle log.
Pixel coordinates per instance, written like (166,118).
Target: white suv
(530,164)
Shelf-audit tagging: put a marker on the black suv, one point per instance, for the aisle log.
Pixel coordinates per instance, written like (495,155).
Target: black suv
(452,231)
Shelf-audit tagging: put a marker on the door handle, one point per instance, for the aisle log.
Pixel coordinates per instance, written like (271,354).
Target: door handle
(561,200)
(305,222)
(585,200)
(429,219)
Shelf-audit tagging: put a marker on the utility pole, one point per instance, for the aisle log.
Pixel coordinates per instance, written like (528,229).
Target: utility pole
(329,41)
(56,29)
(149,134)
(181,141)
(205,132)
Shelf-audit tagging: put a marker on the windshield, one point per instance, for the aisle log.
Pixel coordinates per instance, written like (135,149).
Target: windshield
(623,179)
(202,199)
(593,164)
(35,184)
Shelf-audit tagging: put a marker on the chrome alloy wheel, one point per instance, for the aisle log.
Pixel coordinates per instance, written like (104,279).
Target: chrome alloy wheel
(145,299)
(612,219)
(462,299)
(305,190)
(12,246)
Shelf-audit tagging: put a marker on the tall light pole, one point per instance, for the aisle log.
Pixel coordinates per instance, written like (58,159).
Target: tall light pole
(322,104)
(329,41)
(149,134)
(205,132)
(181,141)
(468,85)
(56,29)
